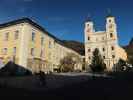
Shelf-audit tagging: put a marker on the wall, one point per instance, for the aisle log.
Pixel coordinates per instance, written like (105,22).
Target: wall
(11,43)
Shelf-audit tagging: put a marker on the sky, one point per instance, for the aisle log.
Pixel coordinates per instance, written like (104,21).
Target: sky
(65,18)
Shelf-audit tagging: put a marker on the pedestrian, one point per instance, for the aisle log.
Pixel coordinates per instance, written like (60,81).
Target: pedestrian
(42,78)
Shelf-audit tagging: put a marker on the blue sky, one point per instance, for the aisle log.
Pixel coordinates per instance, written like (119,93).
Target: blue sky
(65,18)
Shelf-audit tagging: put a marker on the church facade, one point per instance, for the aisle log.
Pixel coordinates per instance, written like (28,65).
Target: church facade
(106,41)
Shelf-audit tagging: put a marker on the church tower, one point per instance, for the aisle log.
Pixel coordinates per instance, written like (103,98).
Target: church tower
(106,41)
(89,29)
(111,28)
(88,33)
(112,42)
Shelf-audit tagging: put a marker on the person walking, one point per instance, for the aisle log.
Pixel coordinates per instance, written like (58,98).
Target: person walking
(42,78)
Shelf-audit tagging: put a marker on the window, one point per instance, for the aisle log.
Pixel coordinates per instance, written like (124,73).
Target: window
(96,39)
(89,50)
(89,58)
(32,51)
(33,36)
(103,57)
(6,36)
(102,38)
(42,40)
(5,51)
(41,54)
(103,49)
(111,35)
(50,44)
(110,20)
(88,38)
(14,50)
(113,56)
(16,35)
(112,48)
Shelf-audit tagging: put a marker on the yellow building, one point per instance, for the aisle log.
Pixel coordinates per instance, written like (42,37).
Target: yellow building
(31,46)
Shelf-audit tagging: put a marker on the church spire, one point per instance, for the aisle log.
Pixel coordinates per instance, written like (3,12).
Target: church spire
(109,13)
(89,18)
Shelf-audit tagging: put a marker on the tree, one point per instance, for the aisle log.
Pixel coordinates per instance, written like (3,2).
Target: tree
(131,42)
(97,64)
(68,63)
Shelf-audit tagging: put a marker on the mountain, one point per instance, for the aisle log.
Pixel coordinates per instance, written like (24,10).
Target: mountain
(131,42)
(75,45)
(79,47)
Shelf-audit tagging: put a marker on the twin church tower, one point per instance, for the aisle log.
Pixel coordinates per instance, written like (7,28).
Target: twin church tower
(106,41)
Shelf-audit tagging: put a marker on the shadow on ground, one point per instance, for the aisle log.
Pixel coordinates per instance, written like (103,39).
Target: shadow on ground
(96,88)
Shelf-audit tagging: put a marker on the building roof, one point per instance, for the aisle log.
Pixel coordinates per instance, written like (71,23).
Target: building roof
(27,20)
(30,21)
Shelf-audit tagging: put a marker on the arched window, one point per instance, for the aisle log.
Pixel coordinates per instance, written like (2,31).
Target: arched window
(111,35)
(88,38)
(89,50)
(110,20)
(112,48)
(103,49)
(113,56)
(89,57)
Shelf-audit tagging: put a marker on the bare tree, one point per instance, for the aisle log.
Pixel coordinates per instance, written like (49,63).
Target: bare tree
(68,63)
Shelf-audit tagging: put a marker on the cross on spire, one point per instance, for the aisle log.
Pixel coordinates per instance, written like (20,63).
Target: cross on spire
(109,13)
(88,17)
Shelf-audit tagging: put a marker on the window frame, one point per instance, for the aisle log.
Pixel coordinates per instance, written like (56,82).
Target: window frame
(111,35)
(33,36)
(89,50)
(50,44)
(103,49)
(5,50)
(16,35)
(113,56)
(14,50)
(42,40)
(6,37)
(112,48)
(32,51)
(88,38)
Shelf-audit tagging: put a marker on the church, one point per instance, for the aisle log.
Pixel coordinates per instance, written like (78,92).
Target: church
(106,41)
